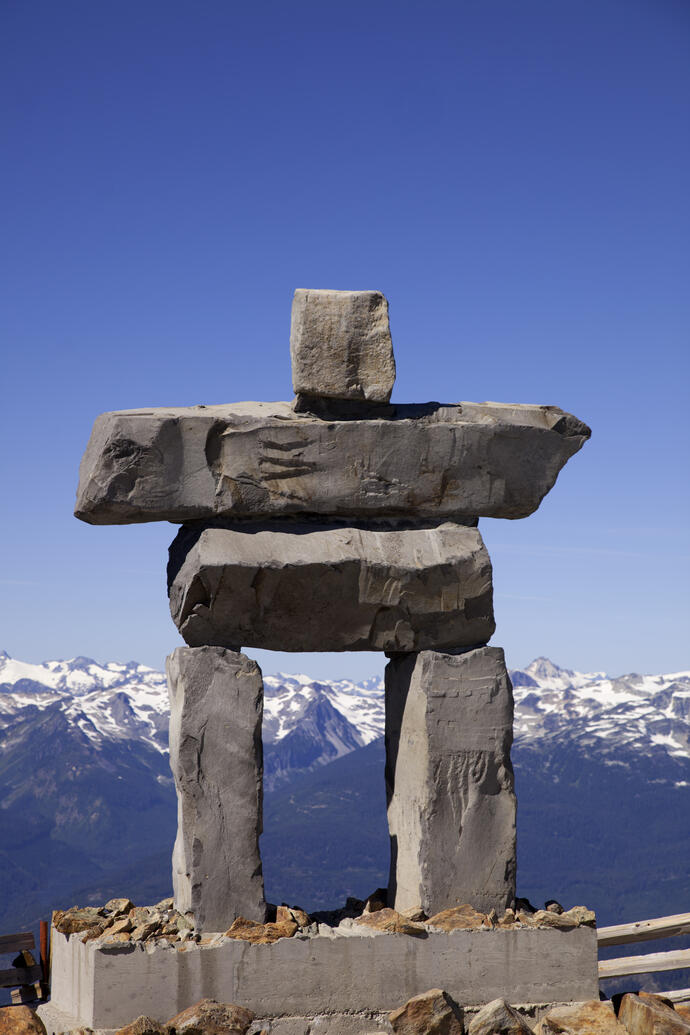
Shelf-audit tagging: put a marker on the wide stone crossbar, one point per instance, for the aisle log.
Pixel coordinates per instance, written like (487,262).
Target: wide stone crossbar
(263,460)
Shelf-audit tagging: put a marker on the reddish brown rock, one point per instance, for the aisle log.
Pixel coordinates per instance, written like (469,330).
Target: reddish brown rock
(590,1018)
(431,1013)
(391,921)
(144,1026)
(297,916)
(498,1018)
(20,1020)
(119,905)
(261,934)
(207,1017)
(465,918)
(75,920)
(683,1011)
(584,916)
(648,1015)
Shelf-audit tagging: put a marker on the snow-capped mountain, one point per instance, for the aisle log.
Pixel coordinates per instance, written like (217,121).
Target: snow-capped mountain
(87,804)
(326,719)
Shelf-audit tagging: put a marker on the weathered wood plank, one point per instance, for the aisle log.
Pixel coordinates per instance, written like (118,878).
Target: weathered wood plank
(644,930)
(26,994)
(17,942)
(677,995)
(647,964)
(20,976)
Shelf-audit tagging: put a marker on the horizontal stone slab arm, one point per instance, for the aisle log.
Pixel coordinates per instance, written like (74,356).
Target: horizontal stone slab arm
(263,460)
(315,589)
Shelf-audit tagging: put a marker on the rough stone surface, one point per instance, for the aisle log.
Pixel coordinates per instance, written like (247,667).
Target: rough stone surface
(391,921)
(144,1026)
(262,460)
(498,1018)
(261,934)
(683,1011)
(216,707)
(449,780)
(591,1018)
(20,1020)
(340,345)
(323,588)
(649,1016)
(431,1013)
(76,920)
(459,918)
(207,1017)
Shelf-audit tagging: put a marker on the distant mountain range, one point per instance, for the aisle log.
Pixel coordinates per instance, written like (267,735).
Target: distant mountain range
(87,805)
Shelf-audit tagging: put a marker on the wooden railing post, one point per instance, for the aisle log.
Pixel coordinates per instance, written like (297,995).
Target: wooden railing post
(45,969)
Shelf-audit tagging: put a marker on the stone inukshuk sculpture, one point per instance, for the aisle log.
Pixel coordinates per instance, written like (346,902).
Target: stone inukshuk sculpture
(337,522)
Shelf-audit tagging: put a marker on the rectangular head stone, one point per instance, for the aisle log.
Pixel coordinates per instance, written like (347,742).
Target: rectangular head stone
(340,345)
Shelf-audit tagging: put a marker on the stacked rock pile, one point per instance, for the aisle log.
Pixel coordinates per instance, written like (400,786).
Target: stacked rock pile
(336,522)
(120,921)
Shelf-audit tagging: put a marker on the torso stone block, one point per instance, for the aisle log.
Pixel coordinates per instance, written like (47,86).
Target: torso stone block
(308,588)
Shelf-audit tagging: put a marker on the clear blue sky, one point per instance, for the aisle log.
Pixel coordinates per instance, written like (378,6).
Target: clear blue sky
(513,175)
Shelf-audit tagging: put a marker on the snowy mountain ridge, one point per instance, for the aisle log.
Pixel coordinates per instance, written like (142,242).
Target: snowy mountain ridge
(116,701)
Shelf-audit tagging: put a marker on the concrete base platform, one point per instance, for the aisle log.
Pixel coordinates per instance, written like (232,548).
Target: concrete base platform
(362,976)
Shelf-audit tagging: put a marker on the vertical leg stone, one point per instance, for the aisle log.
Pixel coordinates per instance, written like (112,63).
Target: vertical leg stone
(216,707)
(449,780)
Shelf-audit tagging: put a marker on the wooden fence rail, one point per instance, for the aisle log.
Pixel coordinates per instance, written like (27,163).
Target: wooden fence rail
(27,978)
(651,962)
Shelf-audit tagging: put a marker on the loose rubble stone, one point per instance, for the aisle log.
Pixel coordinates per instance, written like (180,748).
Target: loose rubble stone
(498,1018)
(449,780)
(144,1026)
(459,918)
(262,460)
(297,916)
(415,913)
(216,707)
(649,1016)
(390,920)
(118,906)
(582,915)
(261,934)
(431,1013)
(340,345)
(207,1017)
(20,1020)
(314,588)
(75,920)
(590,1018)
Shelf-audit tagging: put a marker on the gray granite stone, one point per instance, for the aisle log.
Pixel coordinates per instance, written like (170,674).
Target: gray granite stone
(449,780)
(216,707)
(263,460)
(340,345)
(310,588)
